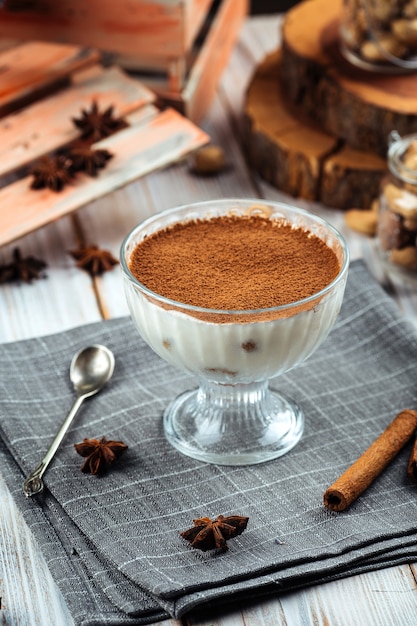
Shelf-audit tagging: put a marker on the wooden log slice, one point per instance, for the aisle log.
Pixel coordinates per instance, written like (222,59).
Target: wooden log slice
(356,105)
(297,157)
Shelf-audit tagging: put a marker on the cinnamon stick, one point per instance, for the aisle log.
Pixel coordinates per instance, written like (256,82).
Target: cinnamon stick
(412,463)
(349,486)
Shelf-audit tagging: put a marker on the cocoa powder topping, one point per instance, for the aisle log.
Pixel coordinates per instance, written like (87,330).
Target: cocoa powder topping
(234,263)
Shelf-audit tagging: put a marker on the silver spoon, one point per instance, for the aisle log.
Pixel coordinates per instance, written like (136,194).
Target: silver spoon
(90,369)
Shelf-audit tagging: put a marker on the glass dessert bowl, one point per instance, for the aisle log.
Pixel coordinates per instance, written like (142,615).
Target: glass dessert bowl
(234,417)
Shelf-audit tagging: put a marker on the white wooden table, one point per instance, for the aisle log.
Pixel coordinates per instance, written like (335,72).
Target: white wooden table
(69,297)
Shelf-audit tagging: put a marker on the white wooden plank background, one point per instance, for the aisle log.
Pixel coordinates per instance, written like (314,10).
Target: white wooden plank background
(28,594)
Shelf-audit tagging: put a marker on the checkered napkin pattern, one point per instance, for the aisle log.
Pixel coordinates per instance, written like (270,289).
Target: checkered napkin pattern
(113,543)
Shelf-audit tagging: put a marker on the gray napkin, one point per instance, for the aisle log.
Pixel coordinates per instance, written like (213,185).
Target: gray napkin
(113,543)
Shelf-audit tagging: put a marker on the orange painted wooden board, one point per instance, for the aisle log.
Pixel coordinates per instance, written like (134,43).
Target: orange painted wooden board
(158,28)
(47,124)
(205,73)
(162,138)
(31,68)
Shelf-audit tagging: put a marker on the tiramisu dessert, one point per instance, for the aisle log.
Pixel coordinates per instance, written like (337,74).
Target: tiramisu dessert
(237,292)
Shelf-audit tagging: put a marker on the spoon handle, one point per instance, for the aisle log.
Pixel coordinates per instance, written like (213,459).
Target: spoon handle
(34,483)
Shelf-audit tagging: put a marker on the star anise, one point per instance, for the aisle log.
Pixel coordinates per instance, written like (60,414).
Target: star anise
(95,124)
(207,534)
(99,454)
(84,159)
(21,269)
(7,274)
(93,259)
(51,172)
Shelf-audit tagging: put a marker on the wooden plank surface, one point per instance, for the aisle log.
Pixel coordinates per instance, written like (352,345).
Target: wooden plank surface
(213,57)
(384,598)
(35,67)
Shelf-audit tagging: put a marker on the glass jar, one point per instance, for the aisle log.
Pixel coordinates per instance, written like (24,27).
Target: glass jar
(380,35)
(397,220)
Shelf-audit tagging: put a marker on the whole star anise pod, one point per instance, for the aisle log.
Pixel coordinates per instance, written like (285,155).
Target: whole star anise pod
(84,159)
(99,454)
(93,259)
(207,534)
(95,124)
(21,269)
(53,173)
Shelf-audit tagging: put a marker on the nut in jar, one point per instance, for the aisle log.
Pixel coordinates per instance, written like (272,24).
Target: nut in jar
(397,221)
(380,35)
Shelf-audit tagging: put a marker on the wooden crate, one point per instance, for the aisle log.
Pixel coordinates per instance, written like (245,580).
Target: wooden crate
(177,47)
(44,87)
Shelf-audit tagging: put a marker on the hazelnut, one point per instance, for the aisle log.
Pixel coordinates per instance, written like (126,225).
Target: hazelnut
(384,10)
(364,221)
(208,160)
(410,223)
(372,51)
(401,201)
(410,9)
(405,31)
(407,257)
(410,157)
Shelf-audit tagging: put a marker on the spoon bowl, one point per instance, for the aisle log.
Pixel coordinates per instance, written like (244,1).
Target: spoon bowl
(90,369)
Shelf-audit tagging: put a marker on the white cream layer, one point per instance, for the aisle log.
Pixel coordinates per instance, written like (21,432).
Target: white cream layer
(233,352)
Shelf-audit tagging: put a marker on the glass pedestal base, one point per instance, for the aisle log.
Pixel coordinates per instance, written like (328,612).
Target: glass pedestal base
(241,424)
